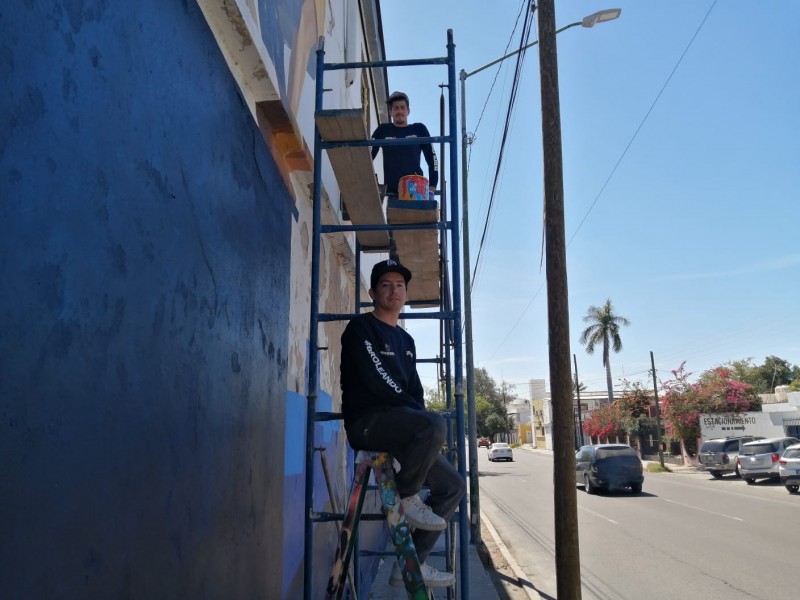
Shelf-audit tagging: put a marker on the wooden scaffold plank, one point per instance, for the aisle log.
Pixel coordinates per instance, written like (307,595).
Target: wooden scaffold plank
(355,173)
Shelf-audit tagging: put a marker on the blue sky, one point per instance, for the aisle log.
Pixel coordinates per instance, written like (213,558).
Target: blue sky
(692,232)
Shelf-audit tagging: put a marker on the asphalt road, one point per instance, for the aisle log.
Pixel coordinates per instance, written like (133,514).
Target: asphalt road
(685,536)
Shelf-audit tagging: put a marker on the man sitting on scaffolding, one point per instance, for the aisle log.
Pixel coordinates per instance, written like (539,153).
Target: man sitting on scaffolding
(384,410)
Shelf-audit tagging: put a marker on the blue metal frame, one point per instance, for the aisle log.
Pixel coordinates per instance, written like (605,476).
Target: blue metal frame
(450,307)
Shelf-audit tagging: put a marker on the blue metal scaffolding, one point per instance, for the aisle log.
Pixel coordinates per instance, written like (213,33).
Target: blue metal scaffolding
(446,227)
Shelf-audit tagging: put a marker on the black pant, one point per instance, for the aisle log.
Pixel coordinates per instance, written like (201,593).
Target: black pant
(415,439)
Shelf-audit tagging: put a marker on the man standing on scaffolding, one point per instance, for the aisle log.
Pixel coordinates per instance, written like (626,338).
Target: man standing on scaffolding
(384,410)
(402,160)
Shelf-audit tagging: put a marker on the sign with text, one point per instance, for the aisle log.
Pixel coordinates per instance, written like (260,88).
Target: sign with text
(750,423)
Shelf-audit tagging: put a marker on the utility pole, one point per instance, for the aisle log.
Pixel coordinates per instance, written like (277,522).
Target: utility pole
(568,569)
(658,411)
(472,427)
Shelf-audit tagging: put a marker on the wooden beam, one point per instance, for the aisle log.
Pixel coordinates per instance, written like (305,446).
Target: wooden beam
(355,173)
(418,249)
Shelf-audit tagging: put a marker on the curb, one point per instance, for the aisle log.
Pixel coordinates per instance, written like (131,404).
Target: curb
(515,568)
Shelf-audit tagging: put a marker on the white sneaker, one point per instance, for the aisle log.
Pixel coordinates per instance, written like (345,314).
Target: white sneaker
(420,515)
(432,577)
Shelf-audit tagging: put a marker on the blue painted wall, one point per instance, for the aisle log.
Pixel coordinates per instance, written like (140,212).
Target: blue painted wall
(144,260)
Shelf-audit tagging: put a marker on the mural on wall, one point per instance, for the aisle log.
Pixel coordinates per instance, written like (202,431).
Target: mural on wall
(145,254)
(290,30)
(281,37)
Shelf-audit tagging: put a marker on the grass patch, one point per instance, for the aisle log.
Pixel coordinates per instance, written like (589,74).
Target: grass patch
(655,467)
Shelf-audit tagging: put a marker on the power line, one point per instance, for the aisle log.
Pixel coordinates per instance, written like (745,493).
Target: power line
(494,81)
(639,128)
(619,161)
(526,30)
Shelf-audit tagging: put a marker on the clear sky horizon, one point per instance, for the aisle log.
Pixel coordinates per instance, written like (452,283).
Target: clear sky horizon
(680,129)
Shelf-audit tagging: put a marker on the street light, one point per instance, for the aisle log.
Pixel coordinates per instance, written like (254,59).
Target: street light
(589,21)
(601,16)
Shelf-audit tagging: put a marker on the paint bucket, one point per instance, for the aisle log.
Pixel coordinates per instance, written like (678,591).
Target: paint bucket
(413,187)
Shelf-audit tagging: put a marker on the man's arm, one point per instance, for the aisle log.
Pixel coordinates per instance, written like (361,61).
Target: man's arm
(415,388)
(433,164)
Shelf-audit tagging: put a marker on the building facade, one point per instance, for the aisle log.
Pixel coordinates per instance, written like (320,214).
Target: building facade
(154,250)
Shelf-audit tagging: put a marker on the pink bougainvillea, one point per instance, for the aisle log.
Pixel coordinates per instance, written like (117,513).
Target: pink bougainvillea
(603,422)
(715,392)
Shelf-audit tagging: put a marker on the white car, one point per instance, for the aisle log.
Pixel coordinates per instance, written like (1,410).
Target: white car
(789,468)
(500,451)
(759,460)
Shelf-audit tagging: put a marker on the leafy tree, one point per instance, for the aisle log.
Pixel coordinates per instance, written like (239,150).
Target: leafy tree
(437,406)
(716,391)
(633,405)
(603,329)
(604,422)
(743,370)
(774,372)
(621,417)
(635,400)
(497,424)
(680,409)
(486,386)
(766,377)
(491,401)
(435,400)
(482,411)
(719,391)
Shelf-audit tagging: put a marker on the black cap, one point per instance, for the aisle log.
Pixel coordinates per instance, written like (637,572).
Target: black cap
(387,266)
(397,96)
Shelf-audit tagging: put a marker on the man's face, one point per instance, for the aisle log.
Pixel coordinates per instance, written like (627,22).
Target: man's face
(399,112)
(390,293)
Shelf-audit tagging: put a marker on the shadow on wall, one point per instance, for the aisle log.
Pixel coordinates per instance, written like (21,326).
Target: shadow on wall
(373,535)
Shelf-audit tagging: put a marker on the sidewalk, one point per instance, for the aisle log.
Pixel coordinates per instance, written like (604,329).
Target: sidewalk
(480,584)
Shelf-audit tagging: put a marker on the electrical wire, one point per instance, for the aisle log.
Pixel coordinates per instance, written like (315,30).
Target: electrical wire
(619,161)
(506,129)
(639,128)
(494,81)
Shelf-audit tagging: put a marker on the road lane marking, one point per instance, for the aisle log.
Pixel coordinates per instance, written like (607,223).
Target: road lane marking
(612,521)
(703,510)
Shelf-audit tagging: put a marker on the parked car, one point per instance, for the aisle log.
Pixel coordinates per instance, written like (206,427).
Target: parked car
(718,456)
(500,451)
(484,442)
(608,467)
(759,460)
(789,468)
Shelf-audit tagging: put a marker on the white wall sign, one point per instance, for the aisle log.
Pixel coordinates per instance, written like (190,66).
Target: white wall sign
(749,423)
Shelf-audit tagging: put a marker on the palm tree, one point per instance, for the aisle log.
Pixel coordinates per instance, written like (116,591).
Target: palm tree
(604,328)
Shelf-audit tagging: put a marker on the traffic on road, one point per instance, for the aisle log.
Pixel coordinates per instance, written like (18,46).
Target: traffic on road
(687,534)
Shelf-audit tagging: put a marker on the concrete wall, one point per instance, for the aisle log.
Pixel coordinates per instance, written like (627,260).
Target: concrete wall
(145,247)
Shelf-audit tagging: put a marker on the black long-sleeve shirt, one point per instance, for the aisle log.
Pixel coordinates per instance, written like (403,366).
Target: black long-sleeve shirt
(378,368)
(402,160)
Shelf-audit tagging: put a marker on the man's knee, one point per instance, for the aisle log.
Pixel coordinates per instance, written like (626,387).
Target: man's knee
(455,481)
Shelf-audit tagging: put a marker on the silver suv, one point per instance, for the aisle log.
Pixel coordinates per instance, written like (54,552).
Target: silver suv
(758,460)
(718,456)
